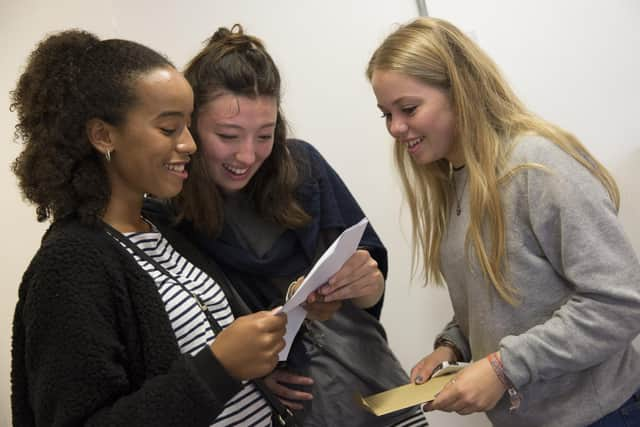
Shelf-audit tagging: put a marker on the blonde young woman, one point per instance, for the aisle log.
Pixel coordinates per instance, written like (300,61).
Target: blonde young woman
(520,221)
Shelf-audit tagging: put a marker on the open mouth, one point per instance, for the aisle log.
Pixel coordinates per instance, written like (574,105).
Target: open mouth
(176,167)
(179,169)
(413,143)
(234,170)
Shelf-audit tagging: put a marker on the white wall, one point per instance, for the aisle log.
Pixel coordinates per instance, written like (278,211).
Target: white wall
(574,62)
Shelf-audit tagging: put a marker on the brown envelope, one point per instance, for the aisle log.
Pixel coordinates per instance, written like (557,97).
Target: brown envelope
(405,396)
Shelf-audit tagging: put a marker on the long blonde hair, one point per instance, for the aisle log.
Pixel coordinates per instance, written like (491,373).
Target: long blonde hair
(488,116)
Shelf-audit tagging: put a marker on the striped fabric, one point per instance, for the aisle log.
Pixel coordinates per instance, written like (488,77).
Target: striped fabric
(413,420)
(248,407)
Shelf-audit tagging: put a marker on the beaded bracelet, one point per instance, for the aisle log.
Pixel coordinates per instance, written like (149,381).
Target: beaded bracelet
(498,368)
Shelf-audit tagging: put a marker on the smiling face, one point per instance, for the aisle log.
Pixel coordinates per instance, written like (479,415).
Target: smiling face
(236,135)
(152,147)
(417,115)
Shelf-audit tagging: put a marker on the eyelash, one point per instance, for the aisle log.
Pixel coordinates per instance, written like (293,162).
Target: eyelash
(229,137)
(170,132)
(409,110)
(405,110)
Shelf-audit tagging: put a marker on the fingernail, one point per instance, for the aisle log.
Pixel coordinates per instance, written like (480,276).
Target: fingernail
(419,379)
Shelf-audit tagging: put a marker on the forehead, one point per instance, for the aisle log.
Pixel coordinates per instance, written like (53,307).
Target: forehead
(230,106)
(393,86)
(395,81)
(163,89)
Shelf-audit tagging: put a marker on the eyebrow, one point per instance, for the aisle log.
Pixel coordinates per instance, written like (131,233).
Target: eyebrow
(170,114)
(402,99)
(234,126)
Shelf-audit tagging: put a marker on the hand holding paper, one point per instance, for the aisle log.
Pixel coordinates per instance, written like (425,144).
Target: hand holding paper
(359,280)
(328,265)
(473,388)
(405,396)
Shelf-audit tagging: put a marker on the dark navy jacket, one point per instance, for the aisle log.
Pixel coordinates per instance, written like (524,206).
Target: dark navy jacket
(325,197)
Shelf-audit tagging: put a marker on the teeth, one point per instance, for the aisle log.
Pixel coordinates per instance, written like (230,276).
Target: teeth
(235,171)
(175,167)
(414,142)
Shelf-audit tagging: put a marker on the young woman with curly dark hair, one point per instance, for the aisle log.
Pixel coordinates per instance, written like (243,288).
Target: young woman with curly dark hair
(119,320)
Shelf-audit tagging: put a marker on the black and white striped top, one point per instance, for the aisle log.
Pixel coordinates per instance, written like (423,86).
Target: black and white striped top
(192,329)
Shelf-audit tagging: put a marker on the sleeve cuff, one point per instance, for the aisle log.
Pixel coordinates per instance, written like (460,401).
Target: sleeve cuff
(455,336)
(515,365)
(215,376)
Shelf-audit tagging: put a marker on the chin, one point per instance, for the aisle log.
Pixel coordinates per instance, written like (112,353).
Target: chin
(168,193)
(235,186)
(228,191)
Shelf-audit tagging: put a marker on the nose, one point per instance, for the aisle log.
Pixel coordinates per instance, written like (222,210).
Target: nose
(397,127)
(186,144)
(246,153)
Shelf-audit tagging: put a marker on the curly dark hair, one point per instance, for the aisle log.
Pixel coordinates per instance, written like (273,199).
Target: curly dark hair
(238,63)
(70,78)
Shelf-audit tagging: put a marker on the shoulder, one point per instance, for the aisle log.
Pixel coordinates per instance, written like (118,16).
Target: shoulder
(303,150)
(72,253)
(545,160)
(546,171)
(311,165)
(70,273)
(535,149)
(72,238)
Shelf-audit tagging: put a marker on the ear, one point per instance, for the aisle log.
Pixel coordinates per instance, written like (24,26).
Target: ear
(100,135)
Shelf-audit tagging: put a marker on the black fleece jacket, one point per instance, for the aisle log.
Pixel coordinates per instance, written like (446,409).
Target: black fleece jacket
(93,345)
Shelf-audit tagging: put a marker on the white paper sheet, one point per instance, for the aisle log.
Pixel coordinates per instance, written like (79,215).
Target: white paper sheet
(329,264)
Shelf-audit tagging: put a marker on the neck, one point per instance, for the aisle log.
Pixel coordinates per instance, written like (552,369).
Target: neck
(456,157)
(125,216)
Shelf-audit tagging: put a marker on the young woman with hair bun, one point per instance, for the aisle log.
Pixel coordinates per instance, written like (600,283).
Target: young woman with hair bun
(265,207)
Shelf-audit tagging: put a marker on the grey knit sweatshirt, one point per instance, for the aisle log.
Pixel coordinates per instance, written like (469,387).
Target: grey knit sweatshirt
(567,345)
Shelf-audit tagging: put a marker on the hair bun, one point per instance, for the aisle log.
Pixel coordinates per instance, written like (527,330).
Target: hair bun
(235,38)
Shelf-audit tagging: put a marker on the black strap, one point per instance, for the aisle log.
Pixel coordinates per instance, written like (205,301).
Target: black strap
(120,238)
(282,415)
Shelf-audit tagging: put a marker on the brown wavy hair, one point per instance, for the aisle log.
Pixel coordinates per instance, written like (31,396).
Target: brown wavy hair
(70,78)
(238,63)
